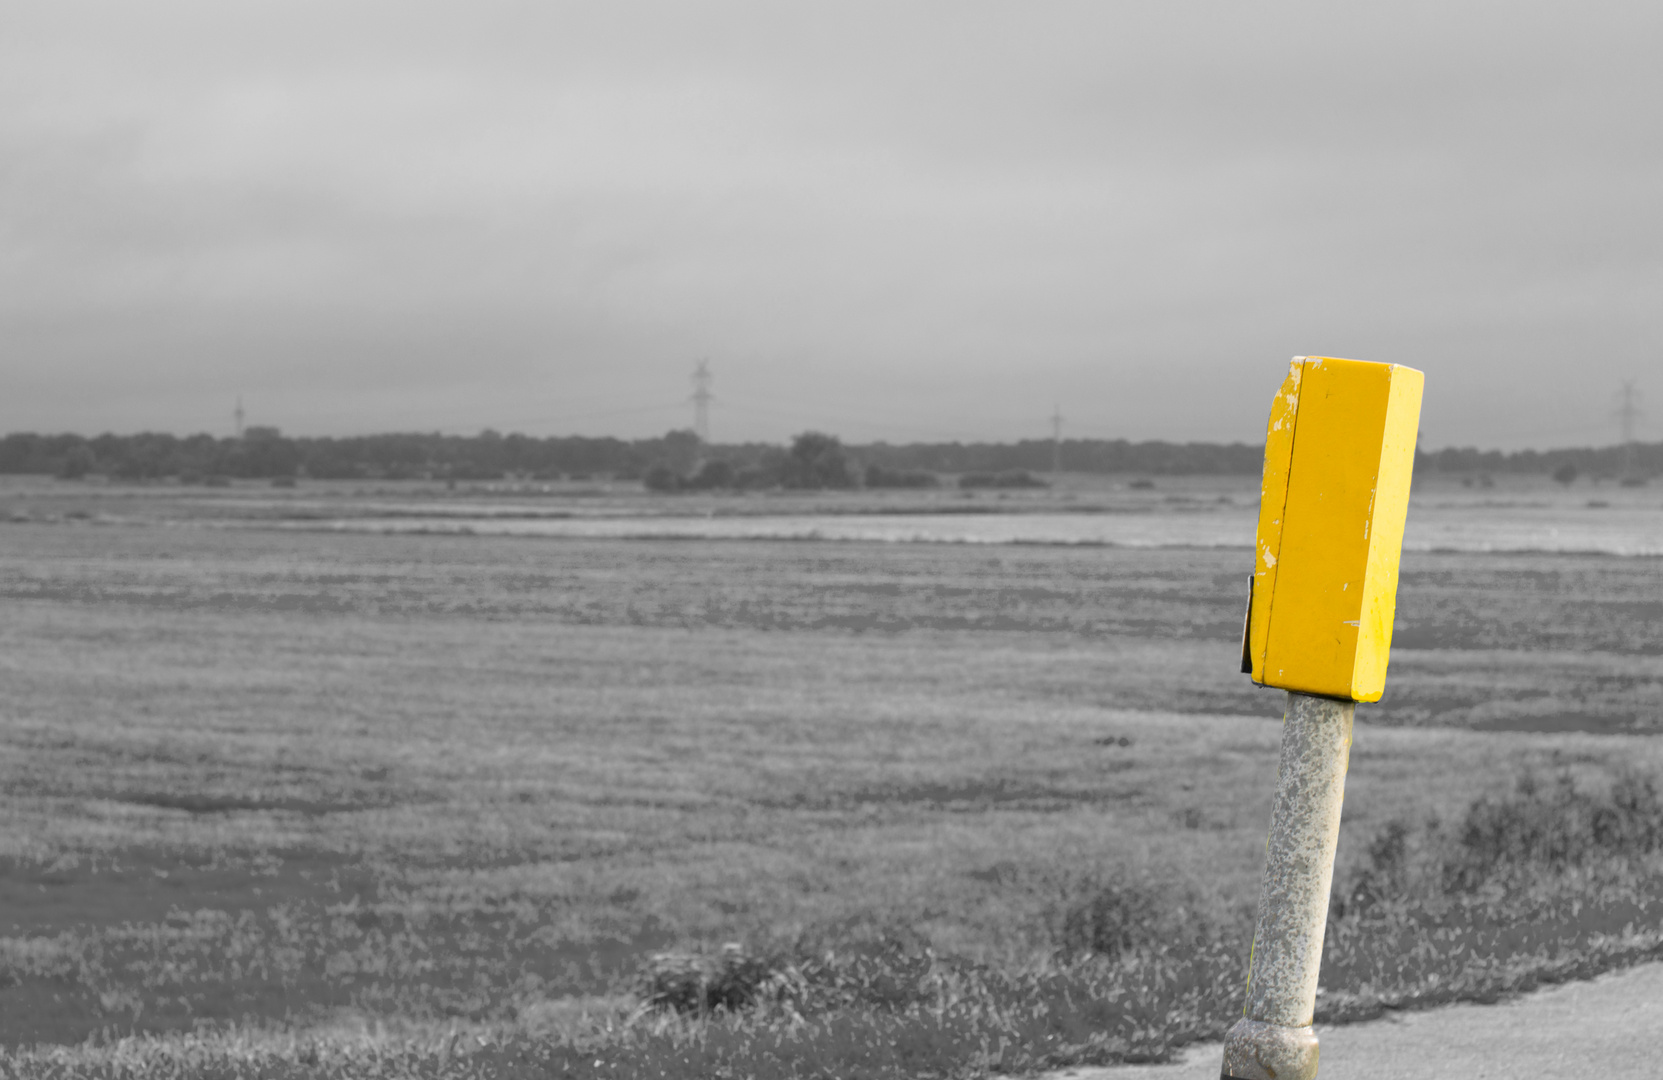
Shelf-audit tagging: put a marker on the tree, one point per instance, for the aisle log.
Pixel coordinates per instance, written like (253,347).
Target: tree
(661,477)
(77,462)
(879,477)
(681,449)
(716,473)
(817,461)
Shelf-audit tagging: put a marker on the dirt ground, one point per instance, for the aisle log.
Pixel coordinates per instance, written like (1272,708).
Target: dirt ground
(1608,1028)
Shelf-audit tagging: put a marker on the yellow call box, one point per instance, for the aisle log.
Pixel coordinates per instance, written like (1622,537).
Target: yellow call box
(1338,456)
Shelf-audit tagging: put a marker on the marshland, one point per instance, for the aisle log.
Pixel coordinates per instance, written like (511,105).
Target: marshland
(283,796)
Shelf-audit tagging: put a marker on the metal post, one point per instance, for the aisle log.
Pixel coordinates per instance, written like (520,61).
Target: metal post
(1274,1040)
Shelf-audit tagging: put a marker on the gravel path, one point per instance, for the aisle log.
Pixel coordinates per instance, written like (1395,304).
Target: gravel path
(1610,1028)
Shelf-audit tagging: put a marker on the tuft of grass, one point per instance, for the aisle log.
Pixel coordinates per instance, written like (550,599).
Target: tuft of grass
(1118,917)
(693,983)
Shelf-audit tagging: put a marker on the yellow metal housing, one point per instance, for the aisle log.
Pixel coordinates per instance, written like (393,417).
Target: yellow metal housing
(1339,452)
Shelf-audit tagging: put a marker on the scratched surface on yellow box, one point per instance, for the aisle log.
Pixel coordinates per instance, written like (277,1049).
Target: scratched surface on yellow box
(1339,453)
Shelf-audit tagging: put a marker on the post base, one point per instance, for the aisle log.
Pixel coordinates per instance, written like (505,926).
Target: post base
(1254,1050)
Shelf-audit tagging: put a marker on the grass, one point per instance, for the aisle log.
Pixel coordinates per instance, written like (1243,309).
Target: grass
(304,803)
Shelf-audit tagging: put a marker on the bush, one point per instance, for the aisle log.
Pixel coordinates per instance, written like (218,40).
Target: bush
(1511,843)
(714,474)
(463,471)
(1548,882)
(1010,478)
(1116,918)
(816,461)
(77,463)
(660,477)
(693,983)
(1552,828)
(756,477)
(879,477)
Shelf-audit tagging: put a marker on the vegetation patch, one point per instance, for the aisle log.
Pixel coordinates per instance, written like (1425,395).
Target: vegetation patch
(438,806)
(1556,879)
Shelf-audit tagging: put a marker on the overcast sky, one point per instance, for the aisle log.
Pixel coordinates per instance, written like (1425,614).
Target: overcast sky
(892,220)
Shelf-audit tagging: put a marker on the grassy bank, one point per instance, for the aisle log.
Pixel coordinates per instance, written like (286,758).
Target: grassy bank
(428,805)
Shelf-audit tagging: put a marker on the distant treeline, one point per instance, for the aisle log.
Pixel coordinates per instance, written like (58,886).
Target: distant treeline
(1603,461)
(1076,455)
(1157,458)
(265,452)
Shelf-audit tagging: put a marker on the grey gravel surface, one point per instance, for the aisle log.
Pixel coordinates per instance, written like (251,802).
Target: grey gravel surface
(1610,1028)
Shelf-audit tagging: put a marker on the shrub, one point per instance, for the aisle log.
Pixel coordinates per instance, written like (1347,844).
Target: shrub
(1509,844)
(1114,918)
(1550,881)
(879,477)
(660,477)
(77,463)
(1010,478)
(816,461)
(693,983)
(463,471)
(715,473)
(754,477)
(1552,827)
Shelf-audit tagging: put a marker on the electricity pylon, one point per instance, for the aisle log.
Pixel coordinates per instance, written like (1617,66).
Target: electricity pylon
(701,401)
(1628,412)
(1056,440)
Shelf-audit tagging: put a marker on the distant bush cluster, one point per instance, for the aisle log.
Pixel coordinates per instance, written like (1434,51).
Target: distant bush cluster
(1009,478)
(819,462)
(815,461)
(877,476)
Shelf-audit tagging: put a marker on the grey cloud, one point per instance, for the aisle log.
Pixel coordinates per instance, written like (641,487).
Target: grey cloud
(938,215)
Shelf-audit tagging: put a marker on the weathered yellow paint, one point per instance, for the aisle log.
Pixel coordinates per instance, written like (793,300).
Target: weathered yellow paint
(1284,410)
(1339,453)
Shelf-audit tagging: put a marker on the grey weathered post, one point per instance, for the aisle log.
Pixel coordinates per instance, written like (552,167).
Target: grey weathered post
(1274,1040)
(1339,453)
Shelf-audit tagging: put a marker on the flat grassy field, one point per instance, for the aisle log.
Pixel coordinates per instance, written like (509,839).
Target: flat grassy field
(295,781)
